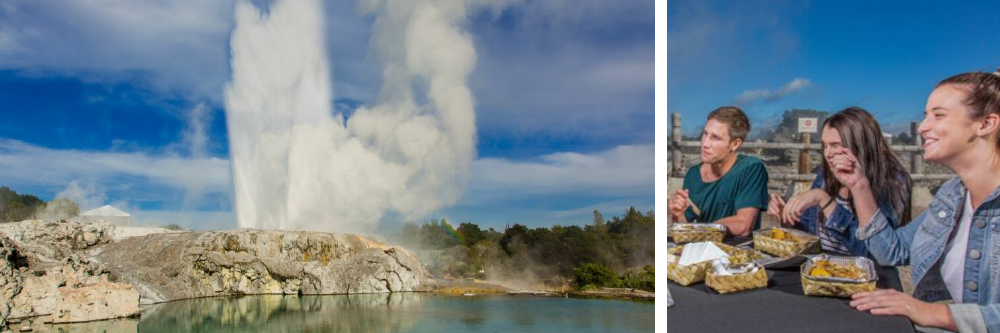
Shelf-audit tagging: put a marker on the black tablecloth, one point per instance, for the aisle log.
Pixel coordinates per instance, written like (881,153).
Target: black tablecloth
(781,307)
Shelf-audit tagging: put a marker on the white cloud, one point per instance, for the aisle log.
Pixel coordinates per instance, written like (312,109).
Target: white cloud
(616,178)
(127,181)
(181,43)
(765,96)
(609,209)
(555,71)
(567,67)
(562,188)
(55,168)
(622,171)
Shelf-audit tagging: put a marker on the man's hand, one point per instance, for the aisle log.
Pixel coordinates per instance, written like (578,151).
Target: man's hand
(679,202)
(775,206)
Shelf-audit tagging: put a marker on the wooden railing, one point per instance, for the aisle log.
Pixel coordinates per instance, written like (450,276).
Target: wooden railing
(915,151)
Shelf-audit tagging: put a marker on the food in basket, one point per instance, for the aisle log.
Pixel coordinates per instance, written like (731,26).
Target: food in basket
(743,255)
(725,277)
(782,242)
(825,268)
(688,274)
(781,234)
(697,232)
(835,276)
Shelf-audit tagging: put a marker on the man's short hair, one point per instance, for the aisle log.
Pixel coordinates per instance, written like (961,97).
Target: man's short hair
(739,125)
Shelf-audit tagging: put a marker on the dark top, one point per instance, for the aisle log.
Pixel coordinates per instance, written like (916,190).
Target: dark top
(745,185)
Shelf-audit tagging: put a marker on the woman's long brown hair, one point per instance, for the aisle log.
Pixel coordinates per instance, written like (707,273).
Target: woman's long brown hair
(890,181)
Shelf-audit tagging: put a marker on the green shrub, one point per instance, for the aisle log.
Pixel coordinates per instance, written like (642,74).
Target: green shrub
(644,279)
(596,275)
(174,227)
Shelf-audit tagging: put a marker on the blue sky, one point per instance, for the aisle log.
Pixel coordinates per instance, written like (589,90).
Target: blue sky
(884,56)
(117,102)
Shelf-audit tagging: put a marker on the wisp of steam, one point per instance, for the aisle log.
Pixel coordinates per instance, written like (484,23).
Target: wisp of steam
(298,165)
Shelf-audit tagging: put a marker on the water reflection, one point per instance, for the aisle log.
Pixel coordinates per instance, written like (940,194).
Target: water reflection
(278,313)
(116,325)
(399,312)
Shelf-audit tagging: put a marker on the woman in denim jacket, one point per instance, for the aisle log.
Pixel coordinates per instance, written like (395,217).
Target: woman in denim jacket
(825,210)
(954,245)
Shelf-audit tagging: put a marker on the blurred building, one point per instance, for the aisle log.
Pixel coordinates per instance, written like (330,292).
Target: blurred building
(107,213)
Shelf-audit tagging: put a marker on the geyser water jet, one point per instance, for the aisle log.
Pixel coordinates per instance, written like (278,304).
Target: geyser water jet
(298,165)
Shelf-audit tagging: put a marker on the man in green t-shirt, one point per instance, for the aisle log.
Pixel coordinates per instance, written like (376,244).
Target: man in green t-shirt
(727,188)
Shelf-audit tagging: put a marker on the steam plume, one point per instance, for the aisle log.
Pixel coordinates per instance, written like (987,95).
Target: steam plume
(297,165)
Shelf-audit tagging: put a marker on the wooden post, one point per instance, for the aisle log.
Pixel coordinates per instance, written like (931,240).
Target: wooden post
(675,138)
(917,157)
(804,155)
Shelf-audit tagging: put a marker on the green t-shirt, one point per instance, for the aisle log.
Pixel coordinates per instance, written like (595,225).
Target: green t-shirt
(745,185)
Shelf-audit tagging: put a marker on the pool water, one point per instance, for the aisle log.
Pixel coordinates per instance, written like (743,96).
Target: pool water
(398,312)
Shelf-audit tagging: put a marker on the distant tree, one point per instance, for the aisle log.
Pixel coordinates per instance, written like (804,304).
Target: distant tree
(16,211)
(7,195)
(551,254)
(510,234)
(592,275)
(643,279)
(174,227)
(60,208)
(487,256)
(410,235)
(598,219)
(471,233)
(437,235)
(904,138)
(15,207)
(787,131)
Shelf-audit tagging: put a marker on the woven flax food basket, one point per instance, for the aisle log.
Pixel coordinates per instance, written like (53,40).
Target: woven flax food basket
(690,274)
(794,243)
(862,276)
(697,232)
(725,284)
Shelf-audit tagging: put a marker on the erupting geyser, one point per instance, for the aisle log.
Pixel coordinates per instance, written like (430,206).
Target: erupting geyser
(298,165)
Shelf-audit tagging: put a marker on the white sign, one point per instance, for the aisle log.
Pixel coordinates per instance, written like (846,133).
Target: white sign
(807,125)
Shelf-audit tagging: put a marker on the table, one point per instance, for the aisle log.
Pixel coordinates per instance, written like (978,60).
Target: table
(781,307)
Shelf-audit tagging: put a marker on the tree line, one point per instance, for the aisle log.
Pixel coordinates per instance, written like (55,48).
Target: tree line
(554,256)
(16,207)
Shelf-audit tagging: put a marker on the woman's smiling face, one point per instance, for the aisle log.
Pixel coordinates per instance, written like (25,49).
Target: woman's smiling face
(948,129)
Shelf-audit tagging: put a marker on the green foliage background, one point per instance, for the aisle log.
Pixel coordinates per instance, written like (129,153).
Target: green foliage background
(622,244)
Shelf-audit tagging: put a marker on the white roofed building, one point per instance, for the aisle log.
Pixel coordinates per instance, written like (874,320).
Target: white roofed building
(107,213)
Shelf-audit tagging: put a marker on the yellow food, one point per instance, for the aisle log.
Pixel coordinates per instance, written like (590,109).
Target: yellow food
(741,256)
(778,234)
(819,272)
(781,234)
(829,269)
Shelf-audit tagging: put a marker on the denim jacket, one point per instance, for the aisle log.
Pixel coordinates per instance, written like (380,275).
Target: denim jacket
(843,222)
(924,241)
